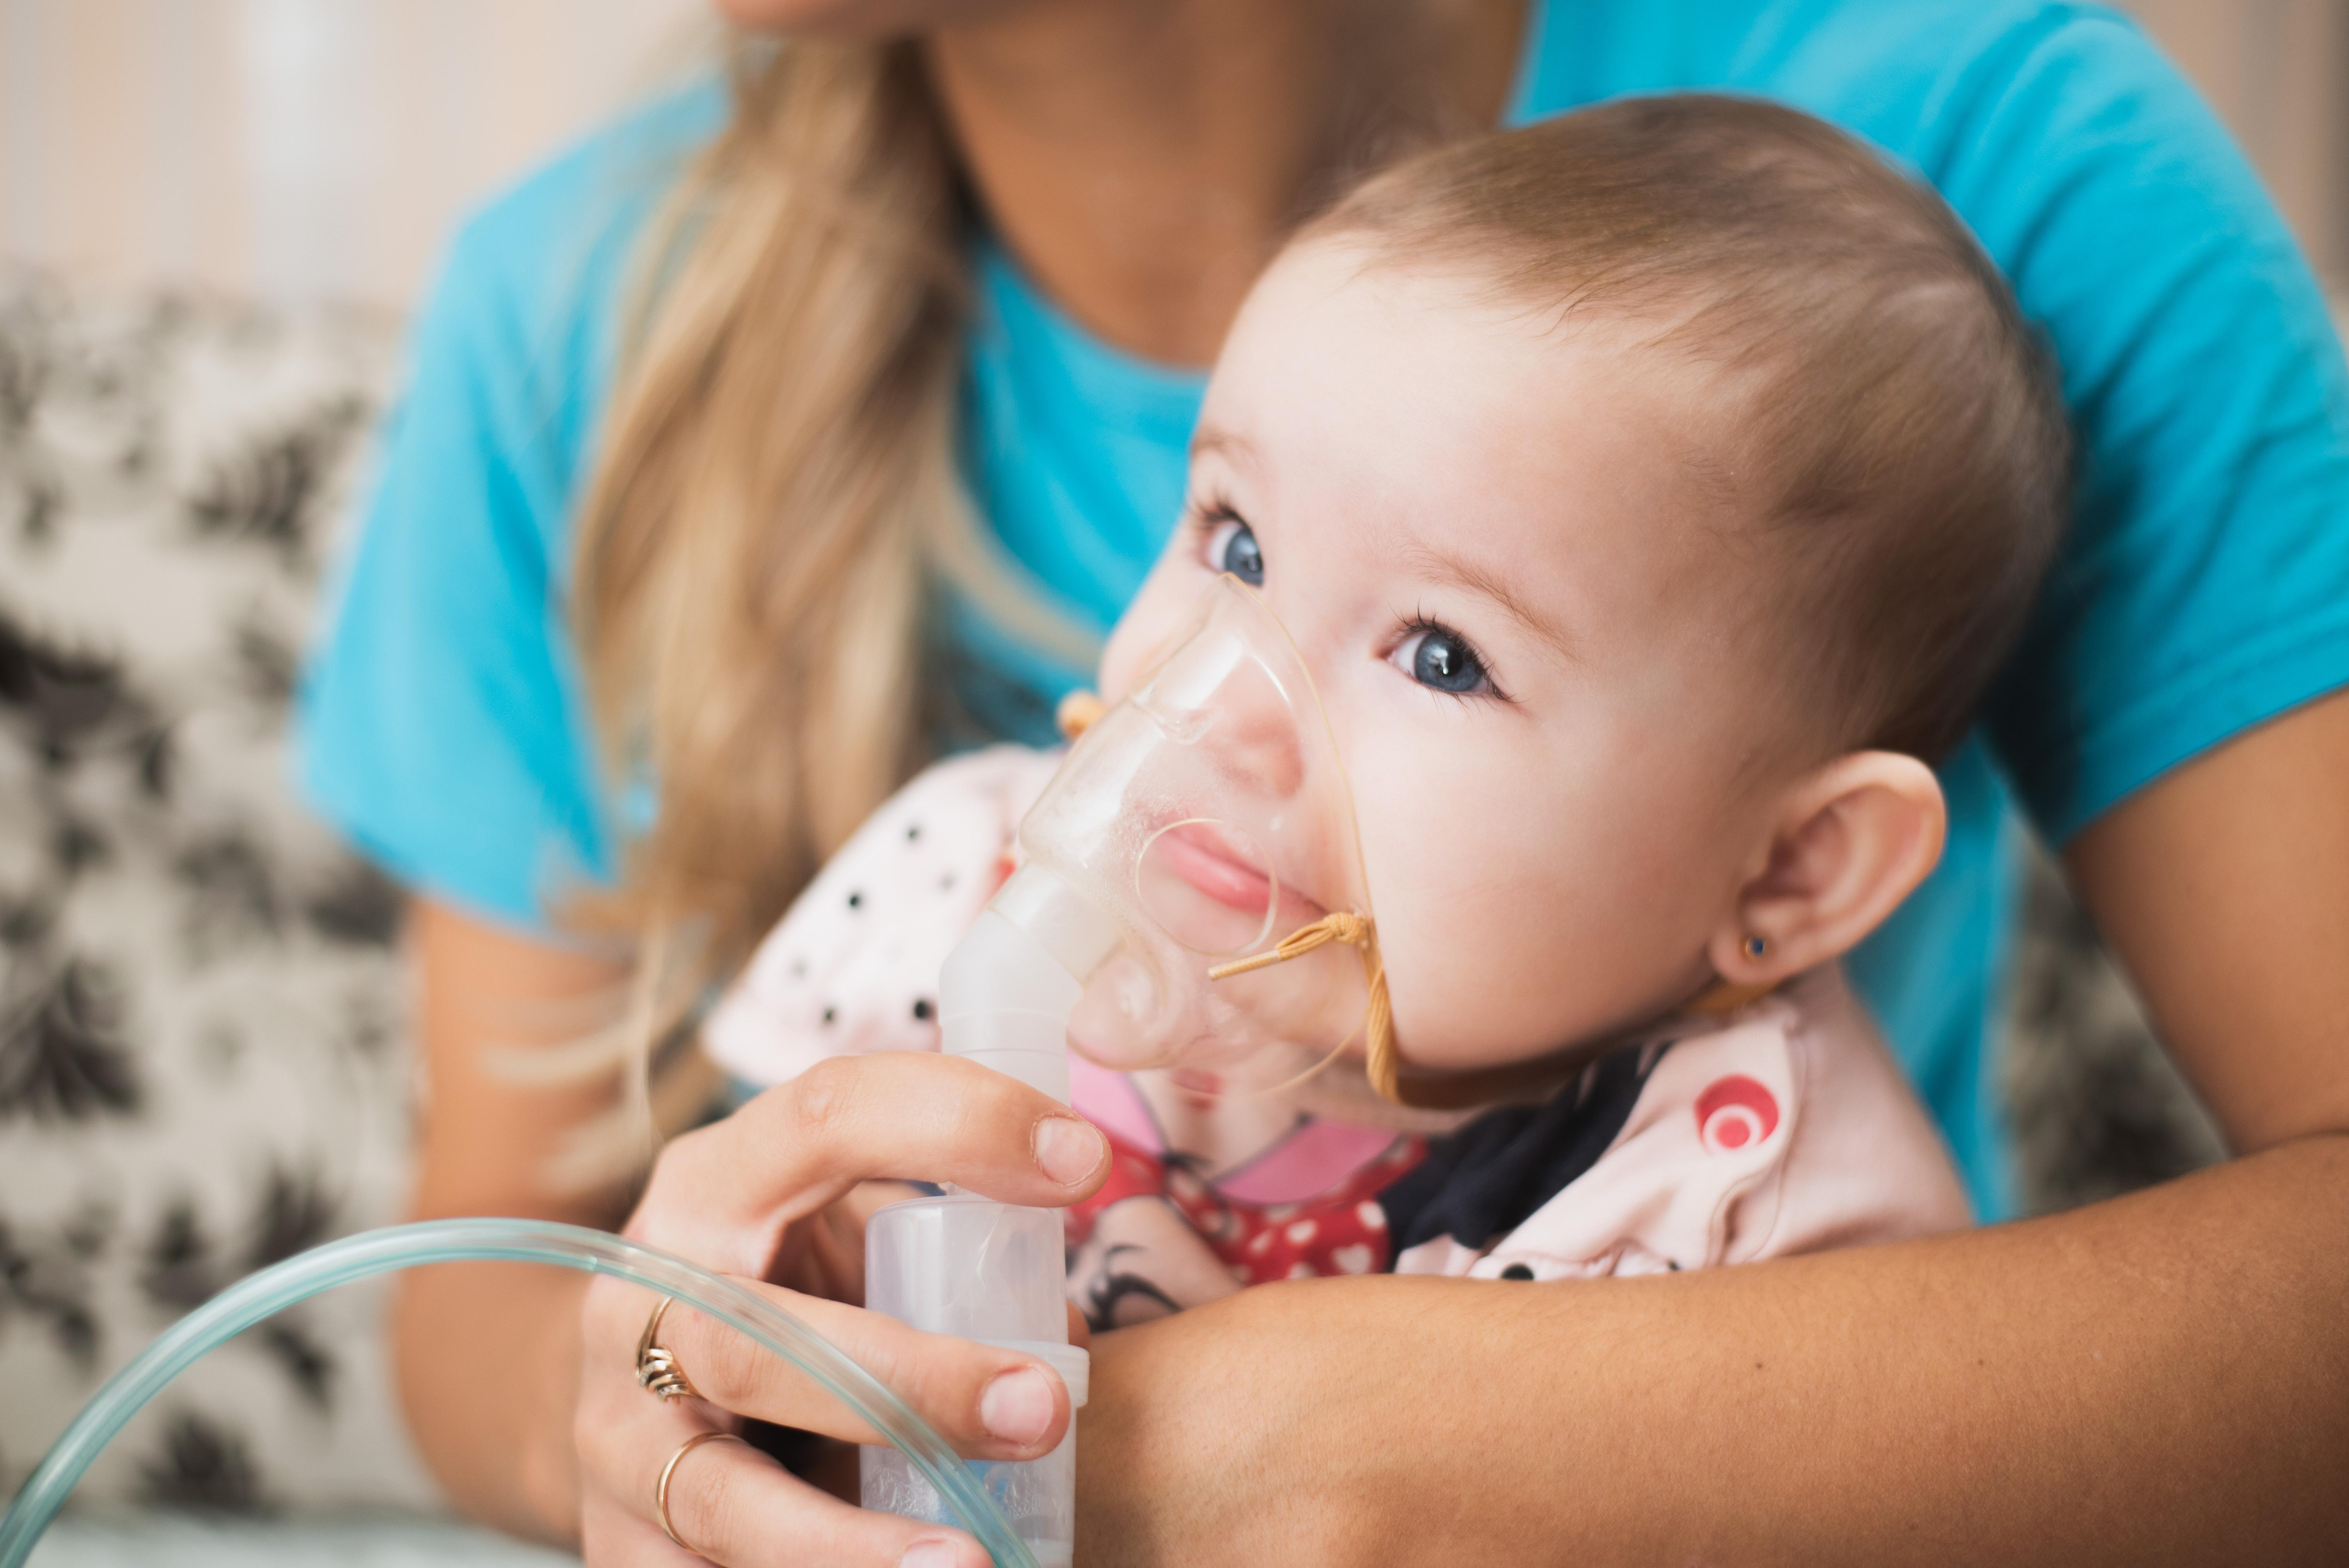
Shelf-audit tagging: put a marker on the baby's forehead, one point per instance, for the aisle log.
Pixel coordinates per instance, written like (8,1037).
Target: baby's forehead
(1404,434)
(1344,283)
(1410,328)
(1423,380)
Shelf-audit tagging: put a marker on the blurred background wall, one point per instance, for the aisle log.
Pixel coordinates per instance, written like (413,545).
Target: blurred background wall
(310,150)
(2279,71)
(295,150)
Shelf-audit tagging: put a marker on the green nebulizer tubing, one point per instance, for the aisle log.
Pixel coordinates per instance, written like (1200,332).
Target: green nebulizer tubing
(264,1295)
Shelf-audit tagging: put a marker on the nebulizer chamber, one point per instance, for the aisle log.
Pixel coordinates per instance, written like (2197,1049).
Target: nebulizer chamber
(1198,829)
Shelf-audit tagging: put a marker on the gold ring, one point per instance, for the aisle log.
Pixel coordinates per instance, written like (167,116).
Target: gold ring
(656,1369)
(660,1493)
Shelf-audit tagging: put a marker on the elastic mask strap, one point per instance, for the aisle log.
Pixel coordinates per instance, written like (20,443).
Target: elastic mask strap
(1358,932)
(1449,1091)
(1723,998)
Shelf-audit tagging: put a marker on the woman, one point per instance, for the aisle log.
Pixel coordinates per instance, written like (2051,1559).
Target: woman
(946,245)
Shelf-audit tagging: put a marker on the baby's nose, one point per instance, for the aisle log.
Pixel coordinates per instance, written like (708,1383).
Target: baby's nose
(1257,746)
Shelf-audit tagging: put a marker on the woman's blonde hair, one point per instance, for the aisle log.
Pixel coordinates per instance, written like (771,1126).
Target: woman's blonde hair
(748,592)
(776,482)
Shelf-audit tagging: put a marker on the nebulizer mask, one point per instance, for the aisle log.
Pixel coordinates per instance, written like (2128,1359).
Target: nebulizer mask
(1190,894)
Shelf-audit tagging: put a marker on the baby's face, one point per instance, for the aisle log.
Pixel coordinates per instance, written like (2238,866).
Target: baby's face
(1515,594)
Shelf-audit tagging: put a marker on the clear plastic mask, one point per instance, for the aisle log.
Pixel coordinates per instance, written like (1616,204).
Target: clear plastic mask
(1208,818)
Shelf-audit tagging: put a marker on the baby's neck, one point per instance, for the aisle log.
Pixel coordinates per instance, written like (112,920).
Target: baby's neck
(1531,1079)
(1210,1111)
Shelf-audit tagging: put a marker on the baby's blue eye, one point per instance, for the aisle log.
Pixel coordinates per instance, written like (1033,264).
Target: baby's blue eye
(1442,659)
(1232,548)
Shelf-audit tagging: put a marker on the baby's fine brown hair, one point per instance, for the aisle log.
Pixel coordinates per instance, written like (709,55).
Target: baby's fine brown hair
(1893,423)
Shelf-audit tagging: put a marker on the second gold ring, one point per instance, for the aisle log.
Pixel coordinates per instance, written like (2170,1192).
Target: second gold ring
(656,1369)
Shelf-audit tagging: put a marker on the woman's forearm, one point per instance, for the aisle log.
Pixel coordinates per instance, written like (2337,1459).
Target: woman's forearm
(2160,1378)
(488,1360)
(488,1355)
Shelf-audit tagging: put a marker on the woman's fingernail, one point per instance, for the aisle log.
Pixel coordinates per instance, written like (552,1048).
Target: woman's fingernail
(1017,1406)
(930,1555)
(1068,1150)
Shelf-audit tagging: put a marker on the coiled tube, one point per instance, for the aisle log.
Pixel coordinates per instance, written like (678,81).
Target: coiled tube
(259,1297)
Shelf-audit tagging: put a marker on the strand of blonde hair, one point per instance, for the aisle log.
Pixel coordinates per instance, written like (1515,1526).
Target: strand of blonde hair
(750,586)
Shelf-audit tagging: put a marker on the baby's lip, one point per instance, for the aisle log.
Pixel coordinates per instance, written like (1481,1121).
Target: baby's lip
(1216,864)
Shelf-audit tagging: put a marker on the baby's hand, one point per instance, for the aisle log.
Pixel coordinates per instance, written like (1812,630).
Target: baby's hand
(854,967)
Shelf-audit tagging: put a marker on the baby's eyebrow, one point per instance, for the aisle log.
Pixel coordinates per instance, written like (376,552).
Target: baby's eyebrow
(1234,447)
(1446,567)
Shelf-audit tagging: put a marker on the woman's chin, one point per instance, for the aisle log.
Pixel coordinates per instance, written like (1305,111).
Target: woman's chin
(856,19)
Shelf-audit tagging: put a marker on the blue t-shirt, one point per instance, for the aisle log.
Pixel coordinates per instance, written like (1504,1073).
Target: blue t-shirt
(2204,586)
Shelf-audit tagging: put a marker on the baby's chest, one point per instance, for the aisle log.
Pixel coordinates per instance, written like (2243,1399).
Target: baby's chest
(1161,1235)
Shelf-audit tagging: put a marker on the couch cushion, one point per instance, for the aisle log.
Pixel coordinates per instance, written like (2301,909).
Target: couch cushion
(200,1012)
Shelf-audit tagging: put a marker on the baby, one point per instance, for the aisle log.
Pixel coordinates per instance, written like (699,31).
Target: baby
(1651,493)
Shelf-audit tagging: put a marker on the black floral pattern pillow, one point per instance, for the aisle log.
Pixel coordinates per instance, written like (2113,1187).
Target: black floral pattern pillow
(201,1060)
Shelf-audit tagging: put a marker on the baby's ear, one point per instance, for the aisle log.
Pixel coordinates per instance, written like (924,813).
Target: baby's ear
(1847,844)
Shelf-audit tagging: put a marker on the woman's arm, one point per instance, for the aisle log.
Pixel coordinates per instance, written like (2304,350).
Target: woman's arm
(2164,1377)
(488,1355)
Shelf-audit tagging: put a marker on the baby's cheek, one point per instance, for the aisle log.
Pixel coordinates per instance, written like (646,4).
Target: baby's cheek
(1520,908)
(1461,861)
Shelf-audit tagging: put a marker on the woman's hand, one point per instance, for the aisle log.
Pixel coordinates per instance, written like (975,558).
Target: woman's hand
(749,1196)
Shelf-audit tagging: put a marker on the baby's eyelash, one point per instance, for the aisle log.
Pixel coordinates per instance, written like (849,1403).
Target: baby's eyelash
(1203,513)
(1208,519)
